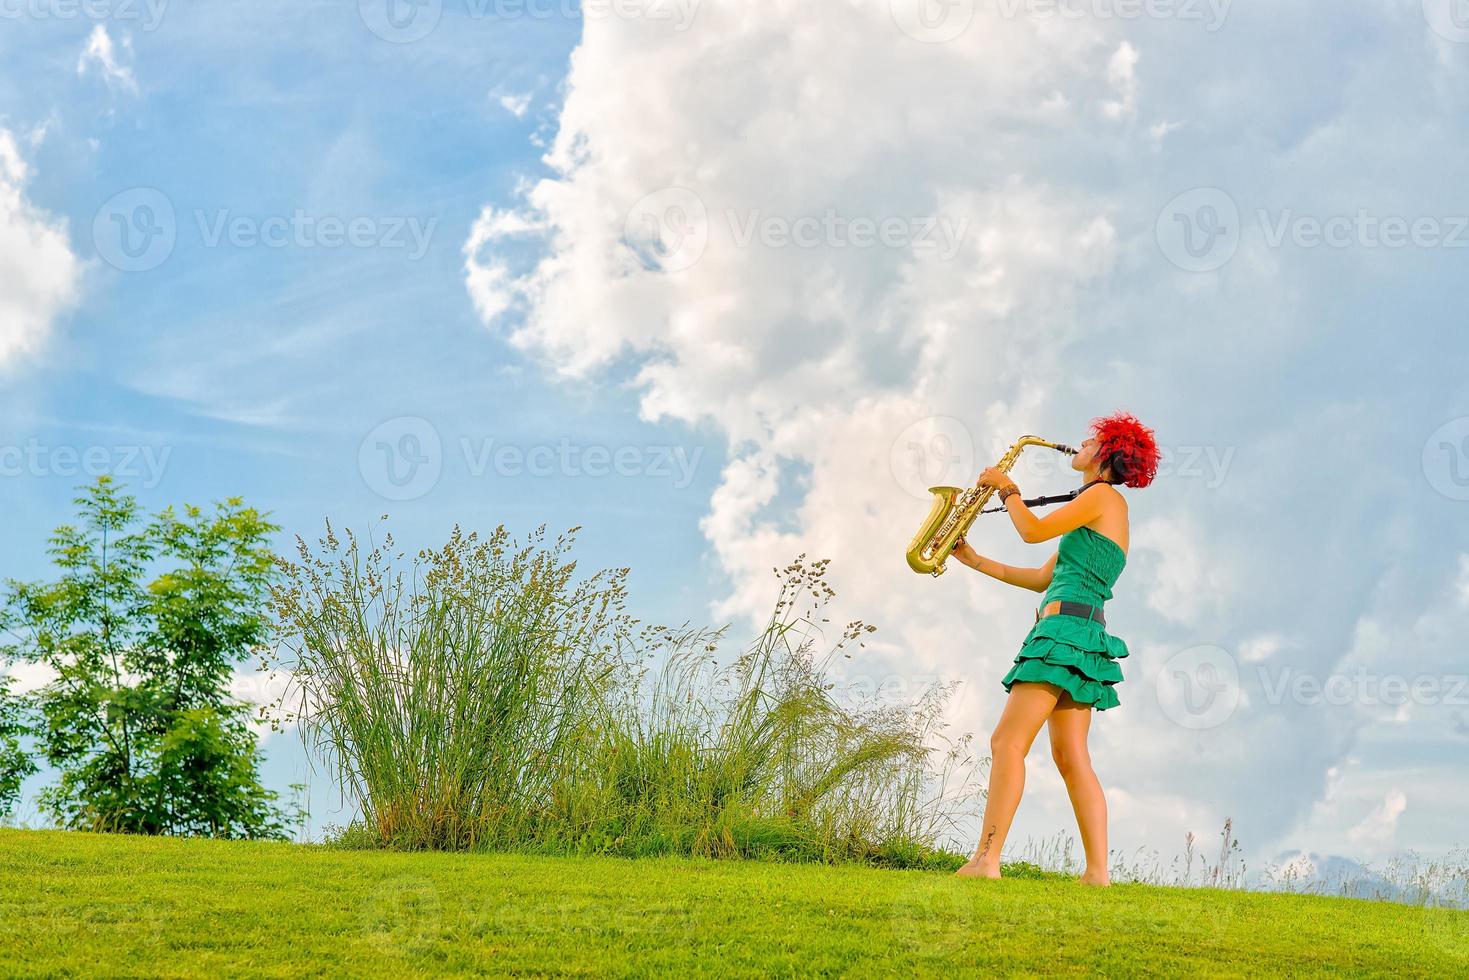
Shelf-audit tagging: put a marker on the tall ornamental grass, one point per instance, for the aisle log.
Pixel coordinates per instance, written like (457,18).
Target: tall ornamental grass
(484,696)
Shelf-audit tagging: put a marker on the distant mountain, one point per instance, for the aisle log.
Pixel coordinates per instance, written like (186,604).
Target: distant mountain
(1403,879)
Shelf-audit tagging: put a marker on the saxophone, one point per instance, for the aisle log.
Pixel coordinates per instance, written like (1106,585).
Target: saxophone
(955,509)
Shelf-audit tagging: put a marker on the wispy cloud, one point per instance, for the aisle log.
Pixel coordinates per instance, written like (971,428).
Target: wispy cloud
(101,55)
(517,104)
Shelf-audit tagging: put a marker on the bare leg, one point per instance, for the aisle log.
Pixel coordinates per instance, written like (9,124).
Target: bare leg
(1025,711)
(1068,729)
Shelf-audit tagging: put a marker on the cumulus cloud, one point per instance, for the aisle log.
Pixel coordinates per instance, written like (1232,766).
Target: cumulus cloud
(1378,828)
(259,688)
(714,227)
(39,274)
(101,55)
(26,676)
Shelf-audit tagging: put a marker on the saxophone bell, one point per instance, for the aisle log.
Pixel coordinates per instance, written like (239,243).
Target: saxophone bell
(954,510)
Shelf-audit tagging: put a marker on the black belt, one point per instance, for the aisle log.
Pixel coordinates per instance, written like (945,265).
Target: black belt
(1075,609)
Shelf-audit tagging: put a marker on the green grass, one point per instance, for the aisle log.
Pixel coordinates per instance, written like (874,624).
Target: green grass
(484,698)
(89,904)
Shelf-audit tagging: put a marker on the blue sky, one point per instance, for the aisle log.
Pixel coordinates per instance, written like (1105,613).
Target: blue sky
(260,370)
(643,233)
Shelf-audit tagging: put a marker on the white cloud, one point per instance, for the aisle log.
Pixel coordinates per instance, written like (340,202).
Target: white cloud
(101,54)
(253,686)
(39,275)
(1122,76)
(1159,131)
(259,687)
(812,361)
(1184,578)
(515,103)
(1259,649)
(1378,829)
(27,676)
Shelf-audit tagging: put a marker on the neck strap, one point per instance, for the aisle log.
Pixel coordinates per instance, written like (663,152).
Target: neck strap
(1059,498)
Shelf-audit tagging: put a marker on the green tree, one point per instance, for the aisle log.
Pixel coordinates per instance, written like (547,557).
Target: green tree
(142,631)
(15,763)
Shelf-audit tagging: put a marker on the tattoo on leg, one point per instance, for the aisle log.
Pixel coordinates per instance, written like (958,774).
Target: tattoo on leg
(988,838)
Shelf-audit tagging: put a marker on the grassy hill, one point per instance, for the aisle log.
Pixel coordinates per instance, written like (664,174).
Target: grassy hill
(88,904)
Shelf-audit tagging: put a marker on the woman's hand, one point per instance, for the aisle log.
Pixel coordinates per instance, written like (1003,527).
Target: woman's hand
(994,477)
(964,553)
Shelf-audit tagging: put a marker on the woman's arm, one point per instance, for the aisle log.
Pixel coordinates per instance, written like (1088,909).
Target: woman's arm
(1083,510)
(1034,579)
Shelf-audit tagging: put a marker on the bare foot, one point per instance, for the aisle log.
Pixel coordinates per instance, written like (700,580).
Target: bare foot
(976,869)
(1100,880)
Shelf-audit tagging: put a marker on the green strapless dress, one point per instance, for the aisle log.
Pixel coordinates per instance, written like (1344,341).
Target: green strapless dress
(1077,654)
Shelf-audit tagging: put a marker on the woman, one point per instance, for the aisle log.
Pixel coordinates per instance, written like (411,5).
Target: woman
(1068,663)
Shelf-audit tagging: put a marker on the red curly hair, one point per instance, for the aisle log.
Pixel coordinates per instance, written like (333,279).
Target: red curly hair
(1127,448)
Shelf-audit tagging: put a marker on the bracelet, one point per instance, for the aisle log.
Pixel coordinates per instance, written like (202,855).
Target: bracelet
(1005,493)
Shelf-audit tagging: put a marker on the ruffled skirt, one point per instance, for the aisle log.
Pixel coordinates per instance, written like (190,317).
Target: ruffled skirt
(1077,655)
